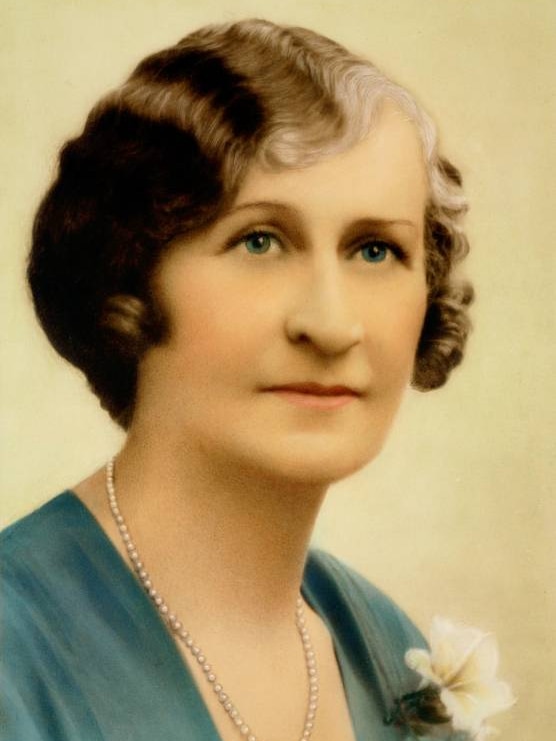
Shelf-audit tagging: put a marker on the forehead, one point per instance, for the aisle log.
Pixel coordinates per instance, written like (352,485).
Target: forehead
(383,176)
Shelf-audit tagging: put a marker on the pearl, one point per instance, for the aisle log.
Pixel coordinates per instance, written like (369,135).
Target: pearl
(183,634)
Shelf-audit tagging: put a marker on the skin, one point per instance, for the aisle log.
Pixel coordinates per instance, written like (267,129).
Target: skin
(220,479)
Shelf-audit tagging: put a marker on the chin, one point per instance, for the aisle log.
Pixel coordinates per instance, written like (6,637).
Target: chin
(320,464)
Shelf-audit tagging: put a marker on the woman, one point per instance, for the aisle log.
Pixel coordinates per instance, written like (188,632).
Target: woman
(249,253)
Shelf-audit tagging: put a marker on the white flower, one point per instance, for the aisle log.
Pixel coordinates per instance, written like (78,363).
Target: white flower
(462,663)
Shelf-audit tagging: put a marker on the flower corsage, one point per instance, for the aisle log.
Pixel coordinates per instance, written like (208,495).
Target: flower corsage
(459,689)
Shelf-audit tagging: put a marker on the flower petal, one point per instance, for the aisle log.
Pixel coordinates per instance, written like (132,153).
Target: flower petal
(481,663)
(420,661)
(461,666)
(486,732)
(490,697)
(466,714)
(451,645)
(472,705)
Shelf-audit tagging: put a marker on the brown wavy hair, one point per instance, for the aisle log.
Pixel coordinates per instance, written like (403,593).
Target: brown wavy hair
(164,154)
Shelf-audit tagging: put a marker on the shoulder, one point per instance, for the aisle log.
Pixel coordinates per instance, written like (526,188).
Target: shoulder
(41,556)
(338,576)
(32,550)
(369,629)
(55,597)
(373,632)
(340,583)
(27,549)
(37,526)
(45,555)
(37,545)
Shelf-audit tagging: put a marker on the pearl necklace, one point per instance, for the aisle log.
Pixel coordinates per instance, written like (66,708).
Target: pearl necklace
(195,650)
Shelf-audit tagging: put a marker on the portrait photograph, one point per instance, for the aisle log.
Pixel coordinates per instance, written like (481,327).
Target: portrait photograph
(277,393)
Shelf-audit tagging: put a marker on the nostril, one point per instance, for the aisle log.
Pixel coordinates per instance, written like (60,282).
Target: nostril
(324,315)
(327,337)
(303,338)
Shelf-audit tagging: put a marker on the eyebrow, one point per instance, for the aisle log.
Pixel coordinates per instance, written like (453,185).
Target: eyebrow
(279,206)
(258,204)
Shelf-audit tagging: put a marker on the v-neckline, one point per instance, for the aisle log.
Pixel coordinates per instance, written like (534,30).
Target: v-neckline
(121,569)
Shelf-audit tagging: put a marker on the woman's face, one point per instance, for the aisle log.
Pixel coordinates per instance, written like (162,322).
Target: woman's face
(294,318)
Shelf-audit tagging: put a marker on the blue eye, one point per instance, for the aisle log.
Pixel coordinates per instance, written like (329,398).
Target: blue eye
(375,251)
(258,243)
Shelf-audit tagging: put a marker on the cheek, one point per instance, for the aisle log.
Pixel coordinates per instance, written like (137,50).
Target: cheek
(393,334)
(214,331)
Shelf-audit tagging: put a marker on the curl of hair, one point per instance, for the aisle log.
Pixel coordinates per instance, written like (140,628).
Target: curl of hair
(162,155)
(447,324)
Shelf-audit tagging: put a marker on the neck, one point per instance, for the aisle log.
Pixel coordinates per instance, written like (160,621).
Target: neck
(226,544)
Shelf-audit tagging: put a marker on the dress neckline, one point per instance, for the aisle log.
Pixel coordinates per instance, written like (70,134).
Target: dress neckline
(120,569)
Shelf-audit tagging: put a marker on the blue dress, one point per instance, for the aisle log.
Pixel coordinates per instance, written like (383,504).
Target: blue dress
(86,656)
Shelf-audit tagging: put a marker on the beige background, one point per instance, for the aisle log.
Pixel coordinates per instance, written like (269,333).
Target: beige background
(456,517)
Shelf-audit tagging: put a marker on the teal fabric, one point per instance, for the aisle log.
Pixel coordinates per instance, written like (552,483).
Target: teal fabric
(86,657)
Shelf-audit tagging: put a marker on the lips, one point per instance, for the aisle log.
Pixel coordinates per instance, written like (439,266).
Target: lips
(315,389)
(315,396)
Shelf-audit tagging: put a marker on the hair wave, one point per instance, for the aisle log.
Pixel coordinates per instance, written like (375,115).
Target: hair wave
(164,153)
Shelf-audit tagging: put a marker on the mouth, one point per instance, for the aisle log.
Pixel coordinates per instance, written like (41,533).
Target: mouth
(315,395)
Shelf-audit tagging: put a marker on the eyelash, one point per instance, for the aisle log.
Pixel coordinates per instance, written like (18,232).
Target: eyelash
(397,252)
(388,247)
(255,234)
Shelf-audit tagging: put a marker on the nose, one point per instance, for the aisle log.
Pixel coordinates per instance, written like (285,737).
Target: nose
(322,316)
